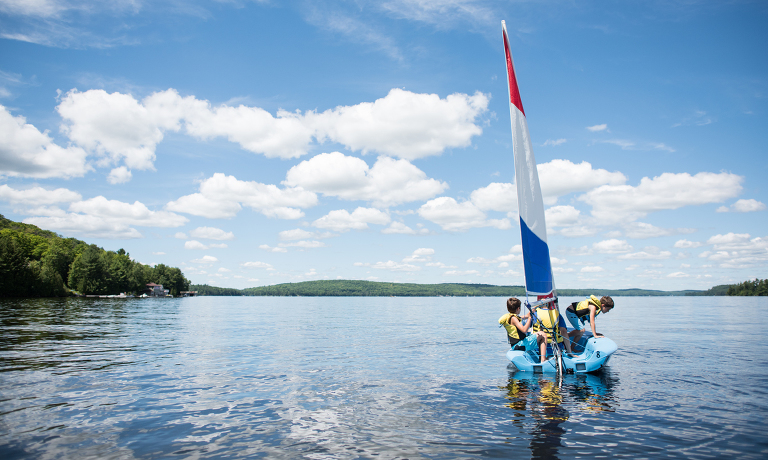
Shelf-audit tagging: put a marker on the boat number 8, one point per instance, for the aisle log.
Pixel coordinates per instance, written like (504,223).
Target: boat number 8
(598,354)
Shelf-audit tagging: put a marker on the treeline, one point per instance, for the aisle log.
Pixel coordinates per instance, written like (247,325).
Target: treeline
(721,289)
(750,288)
(382,289)
(204,289)
(40,263)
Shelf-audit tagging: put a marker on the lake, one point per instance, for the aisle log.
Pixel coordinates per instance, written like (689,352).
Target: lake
(362,377)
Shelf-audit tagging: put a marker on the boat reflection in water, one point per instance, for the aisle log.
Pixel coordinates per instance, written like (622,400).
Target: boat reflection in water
(542,404)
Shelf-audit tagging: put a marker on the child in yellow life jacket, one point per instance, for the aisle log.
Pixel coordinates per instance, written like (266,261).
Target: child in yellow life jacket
(579,312)
(548,320)
(516,330)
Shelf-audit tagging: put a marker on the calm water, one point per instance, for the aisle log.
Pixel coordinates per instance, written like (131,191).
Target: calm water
(372,378)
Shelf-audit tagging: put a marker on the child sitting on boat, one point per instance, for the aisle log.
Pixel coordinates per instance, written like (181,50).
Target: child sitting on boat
(516,330)
(578,312)
(548,316)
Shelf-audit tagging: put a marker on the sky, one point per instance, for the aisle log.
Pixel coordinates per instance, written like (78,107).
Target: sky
(253,143)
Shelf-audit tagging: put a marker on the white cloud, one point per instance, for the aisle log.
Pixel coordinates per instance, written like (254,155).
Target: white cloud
(454,216)
(103,218)
(420,255)
(192,244)
(404,124)
(648,253)
(621,203)
(341,220)
(26,152)
(256,265)
(118,128)
(269,248)
(559,216)
(496,197)
(34,8)
(557,178)
(678,275)
(205,260)
(37,196)
(221,196)
(395,266)
(685,244)
(461,272)
(750,205)
(737,250)
(114,126)
(439,265)
(577,231)
(592,269)
(597,128)
(389,182)
(560,177)
(119,175)
(304,244)
(212,233)
(641,230)
(295,234)
(554,142)
(612,246)
(399,228)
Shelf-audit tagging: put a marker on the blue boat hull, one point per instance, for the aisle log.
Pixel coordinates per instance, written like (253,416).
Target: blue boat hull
(596,353)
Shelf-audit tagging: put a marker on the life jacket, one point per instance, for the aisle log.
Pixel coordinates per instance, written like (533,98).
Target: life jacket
(512,331)
(582,308)
(547,318)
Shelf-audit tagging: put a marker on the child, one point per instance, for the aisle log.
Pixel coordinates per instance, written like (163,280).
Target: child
(516,330)
(577,314)
(549,318)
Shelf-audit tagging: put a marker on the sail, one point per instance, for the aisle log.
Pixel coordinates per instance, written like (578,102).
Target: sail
(533,229)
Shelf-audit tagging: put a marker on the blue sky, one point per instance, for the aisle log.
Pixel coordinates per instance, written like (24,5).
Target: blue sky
(261,142)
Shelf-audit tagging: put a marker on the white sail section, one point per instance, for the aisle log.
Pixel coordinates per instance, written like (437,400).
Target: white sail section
(533,229)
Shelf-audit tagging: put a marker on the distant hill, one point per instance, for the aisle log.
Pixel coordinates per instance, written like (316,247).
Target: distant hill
(343,288)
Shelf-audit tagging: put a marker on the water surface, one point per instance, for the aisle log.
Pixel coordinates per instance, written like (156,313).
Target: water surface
(273,377)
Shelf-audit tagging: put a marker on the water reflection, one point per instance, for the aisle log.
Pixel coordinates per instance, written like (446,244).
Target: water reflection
(542,404)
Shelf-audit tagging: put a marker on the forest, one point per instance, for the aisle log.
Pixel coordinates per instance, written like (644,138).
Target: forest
(749,288)
(384,289)
(40,263)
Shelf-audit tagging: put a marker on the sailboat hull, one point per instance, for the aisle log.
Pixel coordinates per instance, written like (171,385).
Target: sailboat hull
(597,352)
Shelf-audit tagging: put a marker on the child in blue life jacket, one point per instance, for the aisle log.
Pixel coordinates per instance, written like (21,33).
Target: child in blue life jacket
(516,329)
(579,312)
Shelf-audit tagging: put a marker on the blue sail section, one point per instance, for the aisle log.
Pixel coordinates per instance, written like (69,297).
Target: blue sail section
(538,268)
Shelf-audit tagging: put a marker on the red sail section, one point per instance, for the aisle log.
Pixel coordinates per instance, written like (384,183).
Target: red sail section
(514,93)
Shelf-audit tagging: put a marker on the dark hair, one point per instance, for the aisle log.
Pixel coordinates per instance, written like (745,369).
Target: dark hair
(513,304)
(607,301)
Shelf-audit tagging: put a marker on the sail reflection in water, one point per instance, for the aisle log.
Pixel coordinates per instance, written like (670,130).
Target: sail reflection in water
(542,404)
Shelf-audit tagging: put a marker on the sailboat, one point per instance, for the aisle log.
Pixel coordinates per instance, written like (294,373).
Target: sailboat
(592,352)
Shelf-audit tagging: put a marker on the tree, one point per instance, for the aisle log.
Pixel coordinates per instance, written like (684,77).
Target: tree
(88,272)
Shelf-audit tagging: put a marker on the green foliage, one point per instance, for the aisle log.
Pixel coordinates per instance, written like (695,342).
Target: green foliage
(36,263)
(370,288)
(378,289)
(721,289)
(757,287)
(204,289)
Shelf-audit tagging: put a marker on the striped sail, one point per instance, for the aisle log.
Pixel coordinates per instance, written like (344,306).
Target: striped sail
(533,229)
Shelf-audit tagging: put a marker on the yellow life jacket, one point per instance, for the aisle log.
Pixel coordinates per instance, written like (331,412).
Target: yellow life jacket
(547,318)
(582,308)
(506,321)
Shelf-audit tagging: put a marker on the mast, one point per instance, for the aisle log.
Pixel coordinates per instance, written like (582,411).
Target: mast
(539,281)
